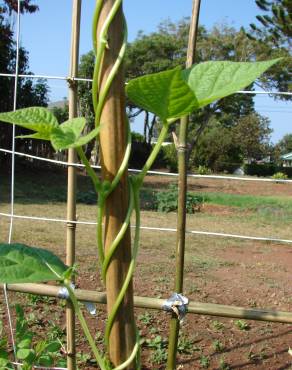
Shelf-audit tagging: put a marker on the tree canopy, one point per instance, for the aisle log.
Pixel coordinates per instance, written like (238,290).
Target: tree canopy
(275,25)
(29,91)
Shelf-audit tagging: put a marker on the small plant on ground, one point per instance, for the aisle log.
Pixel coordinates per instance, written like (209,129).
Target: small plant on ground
(223,365)
(167,200)
(186,345)
(158,345)
(204,361)
(203,170)
(280,176)
(218,346)
(218,325)
(30,350)
(145,318)
(241,325)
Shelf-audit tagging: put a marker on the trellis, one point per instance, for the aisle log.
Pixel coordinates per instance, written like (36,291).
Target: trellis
(91,296)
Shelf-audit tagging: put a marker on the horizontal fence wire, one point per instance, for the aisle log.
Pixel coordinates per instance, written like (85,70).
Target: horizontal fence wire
(68,78)
(167,229)
(160,173)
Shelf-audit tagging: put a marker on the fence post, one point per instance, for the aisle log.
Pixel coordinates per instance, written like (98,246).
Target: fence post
(113,136)
(182,190)
(71,192)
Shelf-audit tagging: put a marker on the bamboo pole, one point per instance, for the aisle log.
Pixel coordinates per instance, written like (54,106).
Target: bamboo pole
(113,136)
(71,187)
(182,190)
(199,308)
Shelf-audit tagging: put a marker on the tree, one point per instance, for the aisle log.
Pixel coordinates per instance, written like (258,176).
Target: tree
(252,135)
(217,154)
(30,92)
(276,25)
(10,6)
(285,144)
(224,148)
(272,39)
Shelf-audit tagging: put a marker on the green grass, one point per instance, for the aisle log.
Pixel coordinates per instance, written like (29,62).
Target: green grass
(251,202)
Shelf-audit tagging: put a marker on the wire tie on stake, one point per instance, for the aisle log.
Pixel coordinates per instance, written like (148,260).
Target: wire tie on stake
(64,294)
(178,304)
(91,308)
(71,81)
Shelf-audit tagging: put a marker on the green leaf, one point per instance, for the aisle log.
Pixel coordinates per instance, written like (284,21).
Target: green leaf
(5,364)
(46,360)
(20,263)
(25,354)
(68,134)
(211,81)
(36,119)
(3,355)
(165,94)
(53,347)
(25,343)
(40,347)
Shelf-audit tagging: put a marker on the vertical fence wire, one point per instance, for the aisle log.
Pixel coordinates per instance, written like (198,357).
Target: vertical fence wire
(13,127)
(13,170)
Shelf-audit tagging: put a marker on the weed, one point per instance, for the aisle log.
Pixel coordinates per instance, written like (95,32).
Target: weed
(223,365)
(218,346)
(185,345)
(218,325)
(145,318)
(167,200)
(30,350)
(153,330)
(241,325)
(83,358)
(158,345)
(280,176)
(204,361)
(35,299)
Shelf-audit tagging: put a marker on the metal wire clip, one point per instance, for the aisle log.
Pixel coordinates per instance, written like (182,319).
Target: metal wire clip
(178,304)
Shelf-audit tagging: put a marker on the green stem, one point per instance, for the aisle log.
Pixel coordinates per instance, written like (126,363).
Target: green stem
(102,42)
(130,270)
(119,236)
(100,212)
(94,23)
(89,169)
(98,356)
(153,154)
(103,94)
(124,163)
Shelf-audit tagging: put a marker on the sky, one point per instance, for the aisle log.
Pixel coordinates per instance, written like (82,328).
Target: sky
(46,35)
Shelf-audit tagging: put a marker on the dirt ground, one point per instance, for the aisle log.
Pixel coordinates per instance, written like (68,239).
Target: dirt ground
(222,271)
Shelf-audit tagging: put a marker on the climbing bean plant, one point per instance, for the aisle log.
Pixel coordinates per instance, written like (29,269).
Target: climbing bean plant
(169,95)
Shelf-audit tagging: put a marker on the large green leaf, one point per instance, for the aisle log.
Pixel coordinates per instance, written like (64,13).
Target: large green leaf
(20,263)
(68,134)
(36,119)
(211,81)
(165,94)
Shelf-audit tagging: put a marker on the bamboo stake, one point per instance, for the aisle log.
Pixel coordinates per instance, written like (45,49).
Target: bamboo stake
(182,190)
(199,308)
(71,192)
(113,136)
